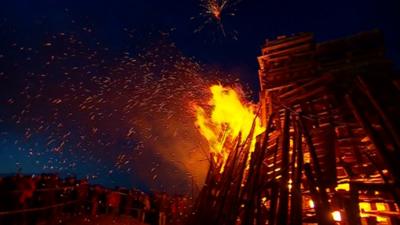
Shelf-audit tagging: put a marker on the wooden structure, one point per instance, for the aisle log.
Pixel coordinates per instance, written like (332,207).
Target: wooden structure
(331,150)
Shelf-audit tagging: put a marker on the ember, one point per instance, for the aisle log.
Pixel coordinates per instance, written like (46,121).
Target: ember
(146,111)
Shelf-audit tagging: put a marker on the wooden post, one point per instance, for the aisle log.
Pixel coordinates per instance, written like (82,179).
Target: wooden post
(273,202)
(379,144)
(390,125)
(296,200)
(314,157)
(284,190)
(321,209)
(351,206)
(384,178)
(227,182)
(253,179)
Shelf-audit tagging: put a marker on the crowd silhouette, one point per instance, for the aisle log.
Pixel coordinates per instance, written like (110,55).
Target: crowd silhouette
(48,199)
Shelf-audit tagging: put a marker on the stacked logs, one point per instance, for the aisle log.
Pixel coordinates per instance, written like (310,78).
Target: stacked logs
(331,150)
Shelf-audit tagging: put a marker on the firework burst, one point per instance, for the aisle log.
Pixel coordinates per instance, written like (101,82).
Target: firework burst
(214,12)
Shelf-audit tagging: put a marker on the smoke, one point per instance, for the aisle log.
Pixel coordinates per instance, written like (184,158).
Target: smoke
(72,106)
(163,114)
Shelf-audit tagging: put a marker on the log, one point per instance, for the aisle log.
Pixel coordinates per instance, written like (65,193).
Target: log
(388,122)
(314,156)
(378,143)
(253,180)
(273,202)
(321,208)
(284,192)
(303,88)
(352,206)
(296,200)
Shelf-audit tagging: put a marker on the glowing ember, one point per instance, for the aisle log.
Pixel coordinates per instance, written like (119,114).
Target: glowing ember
(366,209)
(311,203)
(337,216)
(230,116)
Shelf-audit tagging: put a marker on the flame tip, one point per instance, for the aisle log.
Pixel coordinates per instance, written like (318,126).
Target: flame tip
(230,117)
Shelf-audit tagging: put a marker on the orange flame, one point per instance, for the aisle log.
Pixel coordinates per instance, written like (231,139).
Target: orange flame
(230,115)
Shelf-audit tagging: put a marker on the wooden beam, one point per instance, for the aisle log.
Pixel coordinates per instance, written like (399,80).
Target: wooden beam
(376,140)
(321,209)
(296,204)
(388,122)
(351,206)
(284,190)
(304,87)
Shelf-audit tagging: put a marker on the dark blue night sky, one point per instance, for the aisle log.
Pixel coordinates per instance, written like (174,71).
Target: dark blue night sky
(69,71)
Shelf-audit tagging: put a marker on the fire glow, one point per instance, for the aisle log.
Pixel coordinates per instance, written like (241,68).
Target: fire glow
(230,117)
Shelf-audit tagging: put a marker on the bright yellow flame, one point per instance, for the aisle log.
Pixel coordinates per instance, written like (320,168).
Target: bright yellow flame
(311,203)
(264,199)
(306,157)
(230,115)
(380,206)
(365,207)
(336,216)
(343,186)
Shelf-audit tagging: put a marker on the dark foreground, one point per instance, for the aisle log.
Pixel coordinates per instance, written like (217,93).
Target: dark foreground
(105,220)
(48,199)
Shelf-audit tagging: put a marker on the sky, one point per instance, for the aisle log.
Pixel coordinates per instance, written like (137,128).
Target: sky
(101,89)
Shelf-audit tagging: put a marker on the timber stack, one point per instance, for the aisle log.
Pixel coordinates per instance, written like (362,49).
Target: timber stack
(330,153)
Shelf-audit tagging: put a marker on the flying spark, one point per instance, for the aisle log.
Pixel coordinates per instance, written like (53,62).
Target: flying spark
(87,112)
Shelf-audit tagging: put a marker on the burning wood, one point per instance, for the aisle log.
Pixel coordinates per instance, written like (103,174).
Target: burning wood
(229,117)
(318,159)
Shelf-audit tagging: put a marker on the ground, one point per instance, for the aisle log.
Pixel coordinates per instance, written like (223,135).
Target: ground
(106,220)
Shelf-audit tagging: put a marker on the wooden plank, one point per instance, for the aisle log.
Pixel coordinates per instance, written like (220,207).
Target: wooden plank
(304,87)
